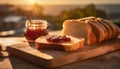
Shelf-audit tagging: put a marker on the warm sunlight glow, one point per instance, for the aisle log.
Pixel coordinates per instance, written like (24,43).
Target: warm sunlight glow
(59,2)
(32,1)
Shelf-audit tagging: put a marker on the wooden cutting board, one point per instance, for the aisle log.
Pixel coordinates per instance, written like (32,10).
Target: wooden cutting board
(52,58)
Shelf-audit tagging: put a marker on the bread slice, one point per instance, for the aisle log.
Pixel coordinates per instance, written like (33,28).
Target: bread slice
(116,29)
(97,30)
(108,28)
(79,29)
(74,44)
(105,27)
(111,28)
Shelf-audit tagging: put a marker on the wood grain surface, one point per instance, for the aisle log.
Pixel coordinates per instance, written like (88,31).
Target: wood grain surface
(52,58)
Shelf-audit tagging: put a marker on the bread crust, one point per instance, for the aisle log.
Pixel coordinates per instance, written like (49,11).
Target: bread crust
(107,28)
(87,18)
(115,31)
(97,30)
(92,36)
(103,29)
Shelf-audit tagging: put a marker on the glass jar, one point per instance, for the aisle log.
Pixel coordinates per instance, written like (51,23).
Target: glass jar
(35,29)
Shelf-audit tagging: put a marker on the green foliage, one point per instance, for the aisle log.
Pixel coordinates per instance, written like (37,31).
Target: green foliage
(118,22)
(57,21)
(89,10)
(76,13)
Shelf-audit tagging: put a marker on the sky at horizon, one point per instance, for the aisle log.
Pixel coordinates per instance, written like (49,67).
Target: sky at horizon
(59,2)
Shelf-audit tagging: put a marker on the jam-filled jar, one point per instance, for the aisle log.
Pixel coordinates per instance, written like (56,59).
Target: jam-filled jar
(35,29)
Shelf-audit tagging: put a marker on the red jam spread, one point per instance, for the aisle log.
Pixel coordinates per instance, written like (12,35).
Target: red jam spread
(32,34)
(58,39)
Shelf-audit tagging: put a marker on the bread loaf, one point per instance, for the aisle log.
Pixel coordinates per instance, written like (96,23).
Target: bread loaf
(94,30)
(74,44)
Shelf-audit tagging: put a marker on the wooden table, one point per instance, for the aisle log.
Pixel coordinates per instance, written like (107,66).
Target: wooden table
(106,61)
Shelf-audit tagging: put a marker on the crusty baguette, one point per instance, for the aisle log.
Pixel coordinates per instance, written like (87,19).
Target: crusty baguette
(74,44)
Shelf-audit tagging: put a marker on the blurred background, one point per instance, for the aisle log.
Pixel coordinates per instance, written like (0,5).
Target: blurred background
(13,13)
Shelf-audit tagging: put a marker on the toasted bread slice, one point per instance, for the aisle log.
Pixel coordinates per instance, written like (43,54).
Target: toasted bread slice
(74,44)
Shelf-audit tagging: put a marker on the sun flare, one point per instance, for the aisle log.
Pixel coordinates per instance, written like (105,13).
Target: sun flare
(32,1)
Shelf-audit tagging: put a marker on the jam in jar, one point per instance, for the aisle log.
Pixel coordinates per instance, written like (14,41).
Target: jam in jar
(35,29)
